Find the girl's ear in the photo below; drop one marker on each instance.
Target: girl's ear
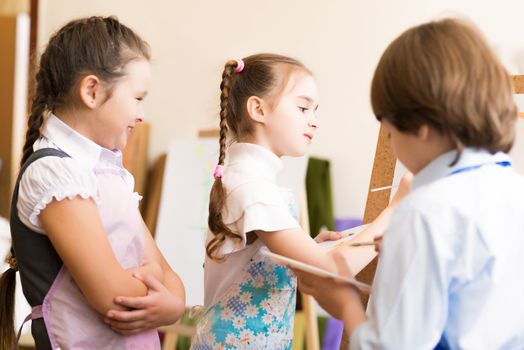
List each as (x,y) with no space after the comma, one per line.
(90,91)
(255,108)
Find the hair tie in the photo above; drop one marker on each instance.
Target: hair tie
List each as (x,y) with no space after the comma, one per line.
(219,171)
(11,260)
(240,65)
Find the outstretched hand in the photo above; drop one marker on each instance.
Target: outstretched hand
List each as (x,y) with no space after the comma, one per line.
(378,243)
(159,307)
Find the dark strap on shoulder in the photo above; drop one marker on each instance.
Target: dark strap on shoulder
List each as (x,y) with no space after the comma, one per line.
(41,153)
(37,260)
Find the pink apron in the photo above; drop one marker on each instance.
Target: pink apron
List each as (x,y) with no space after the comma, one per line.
(70,322)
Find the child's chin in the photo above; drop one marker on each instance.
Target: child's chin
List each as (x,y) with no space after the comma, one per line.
(121,146)
(298,153)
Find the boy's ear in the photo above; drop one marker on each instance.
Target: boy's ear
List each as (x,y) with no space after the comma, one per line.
(423,132)
(90,90)
(256,109)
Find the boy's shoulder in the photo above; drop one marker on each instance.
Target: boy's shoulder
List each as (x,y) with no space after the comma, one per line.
(464,193)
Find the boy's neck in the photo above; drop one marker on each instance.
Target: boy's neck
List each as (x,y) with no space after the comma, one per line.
(431,145)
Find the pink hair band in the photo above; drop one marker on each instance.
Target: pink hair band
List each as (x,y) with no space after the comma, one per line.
(240,65)
(219,171)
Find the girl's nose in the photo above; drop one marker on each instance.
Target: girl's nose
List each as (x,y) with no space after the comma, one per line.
(313,122)
(140,115)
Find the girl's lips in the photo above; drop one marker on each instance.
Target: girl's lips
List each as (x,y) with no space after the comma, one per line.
(309,136)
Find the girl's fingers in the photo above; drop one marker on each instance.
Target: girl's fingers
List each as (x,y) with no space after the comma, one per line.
(133,302)
(126,316)
(125,326)
(327,236)
(377,239)
(128,331)
(150,281)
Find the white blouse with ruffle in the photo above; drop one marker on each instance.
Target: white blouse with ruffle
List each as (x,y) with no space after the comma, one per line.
(55,178)
(254,202)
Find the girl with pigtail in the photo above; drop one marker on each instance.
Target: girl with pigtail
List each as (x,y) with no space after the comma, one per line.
(79,241)
(267,105)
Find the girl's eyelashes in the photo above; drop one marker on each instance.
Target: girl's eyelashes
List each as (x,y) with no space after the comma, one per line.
(139,98)
(303,109)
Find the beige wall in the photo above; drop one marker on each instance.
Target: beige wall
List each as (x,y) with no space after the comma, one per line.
(340,40)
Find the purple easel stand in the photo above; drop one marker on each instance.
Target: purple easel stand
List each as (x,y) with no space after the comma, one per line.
(342,224)
(332,334)
(334,327)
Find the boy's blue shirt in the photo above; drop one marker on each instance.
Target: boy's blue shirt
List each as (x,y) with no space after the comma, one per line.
(451,260)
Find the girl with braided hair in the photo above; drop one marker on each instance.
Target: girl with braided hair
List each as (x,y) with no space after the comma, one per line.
(267,106)
(78,238)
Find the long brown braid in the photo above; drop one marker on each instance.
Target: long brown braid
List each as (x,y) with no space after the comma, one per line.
(101,46)
(218,193)
(7,297)
(264,75)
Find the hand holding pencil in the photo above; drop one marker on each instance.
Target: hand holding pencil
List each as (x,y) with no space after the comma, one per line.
(362,244)
(377,240)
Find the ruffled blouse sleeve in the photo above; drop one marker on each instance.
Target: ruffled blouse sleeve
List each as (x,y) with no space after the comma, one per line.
(52,178)
(257,206)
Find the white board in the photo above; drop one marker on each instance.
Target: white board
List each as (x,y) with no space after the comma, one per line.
(182,219)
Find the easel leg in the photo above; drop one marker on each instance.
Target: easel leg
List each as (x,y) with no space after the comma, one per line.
(312,338)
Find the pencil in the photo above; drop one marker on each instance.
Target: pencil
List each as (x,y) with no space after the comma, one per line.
(362,244)
(383,188)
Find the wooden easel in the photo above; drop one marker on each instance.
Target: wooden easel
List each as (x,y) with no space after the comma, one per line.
(518,84)
(308,302)
(135,155)
(381,175)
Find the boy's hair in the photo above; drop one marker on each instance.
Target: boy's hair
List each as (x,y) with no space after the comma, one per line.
(444,74)
(266,76)
(101,46)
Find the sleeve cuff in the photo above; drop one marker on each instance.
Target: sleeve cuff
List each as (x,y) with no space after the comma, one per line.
(58,196)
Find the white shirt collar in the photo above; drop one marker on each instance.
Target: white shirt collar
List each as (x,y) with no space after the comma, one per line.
(78,146)
(439,167)
(256,159)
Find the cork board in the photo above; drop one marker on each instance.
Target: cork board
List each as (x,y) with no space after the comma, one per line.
(518,84)
(381,175)
(517,152)
(518,88)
